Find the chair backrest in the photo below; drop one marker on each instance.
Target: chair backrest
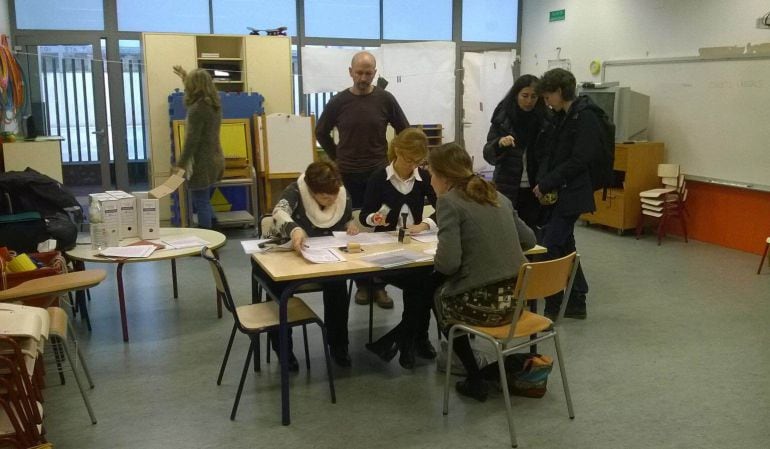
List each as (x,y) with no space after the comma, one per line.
(539,280)
(668,170)
(223,289)
(542,279)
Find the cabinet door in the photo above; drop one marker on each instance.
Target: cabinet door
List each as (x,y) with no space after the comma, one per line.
(268,71)
(161,53)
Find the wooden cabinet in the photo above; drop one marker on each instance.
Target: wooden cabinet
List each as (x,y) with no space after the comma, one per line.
(252,63)
(636,165)
(43,156)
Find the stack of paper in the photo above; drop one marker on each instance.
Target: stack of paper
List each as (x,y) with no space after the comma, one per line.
(128,251)
(326,255)
(180,242)
(388,259)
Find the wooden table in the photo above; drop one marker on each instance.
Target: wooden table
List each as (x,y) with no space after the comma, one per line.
(84,253)
(290,271)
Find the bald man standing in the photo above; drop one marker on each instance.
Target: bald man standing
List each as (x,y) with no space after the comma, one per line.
(361,115)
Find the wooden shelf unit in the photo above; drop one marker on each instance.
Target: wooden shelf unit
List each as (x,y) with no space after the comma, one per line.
(222,54)
(435,133)
(638,163)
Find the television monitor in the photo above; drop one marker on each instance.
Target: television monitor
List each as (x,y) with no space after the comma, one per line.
(628,110)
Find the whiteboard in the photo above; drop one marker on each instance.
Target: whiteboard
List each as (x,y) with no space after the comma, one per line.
(289,143)
(712,115)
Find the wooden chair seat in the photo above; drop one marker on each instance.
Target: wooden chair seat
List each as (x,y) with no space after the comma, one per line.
(264,315)
(529,323)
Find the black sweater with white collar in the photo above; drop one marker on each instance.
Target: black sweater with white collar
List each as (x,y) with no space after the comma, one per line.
(379,191)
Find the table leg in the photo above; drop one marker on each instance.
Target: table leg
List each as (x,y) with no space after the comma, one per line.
(370,284)
(173,278)
(283,336)
(122,302)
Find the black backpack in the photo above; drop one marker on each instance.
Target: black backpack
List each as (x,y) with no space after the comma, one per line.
(601,168)
(31,191)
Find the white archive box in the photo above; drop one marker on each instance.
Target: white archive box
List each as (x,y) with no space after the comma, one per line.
(129,224)
(110,216)
(149,220)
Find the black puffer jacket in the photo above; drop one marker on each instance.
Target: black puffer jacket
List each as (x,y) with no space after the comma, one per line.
(573,143)
(528,130)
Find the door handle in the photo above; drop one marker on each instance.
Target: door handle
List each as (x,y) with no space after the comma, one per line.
(98,132)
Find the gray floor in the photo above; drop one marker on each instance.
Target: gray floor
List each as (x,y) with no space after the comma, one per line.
(674,354)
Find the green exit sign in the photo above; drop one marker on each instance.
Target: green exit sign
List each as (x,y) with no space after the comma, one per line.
(555,16)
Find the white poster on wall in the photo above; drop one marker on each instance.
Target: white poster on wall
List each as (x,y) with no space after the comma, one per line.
(326,69)
(420,75)
(487,78)
(422,78)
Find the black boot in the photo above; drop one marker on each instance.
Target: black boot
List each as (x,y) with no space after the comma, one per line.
(340,355)
(384,350)
(406,359)
(474,388)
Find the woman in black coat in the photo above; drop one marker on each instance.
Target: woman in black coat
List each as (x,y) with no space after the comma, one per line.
(512,146)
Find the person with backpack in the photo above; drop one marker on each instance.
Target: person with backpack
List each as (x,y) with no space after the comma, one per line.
(513,142)
(564,183)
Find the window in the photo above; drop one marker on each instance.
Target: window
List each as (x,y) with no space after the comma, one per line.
(417,20)
(178,16)
(234,16)
(355,19)
(490,20)
(59,15)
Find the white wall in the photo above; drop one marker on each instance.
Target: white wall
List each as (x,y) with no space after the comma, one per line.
(711,115)
(631,29)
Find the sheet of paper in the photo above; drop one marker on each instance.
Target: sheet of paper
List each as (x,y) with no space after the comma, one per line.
(388,259)
(168,187)
(325,242)
(426,237)
(431,251)
(128,251)
(185,241)
(326,255)
(366,238)
(252,246)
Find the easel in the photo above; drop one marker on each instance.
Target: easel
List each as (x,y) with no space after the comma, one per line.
(288,146)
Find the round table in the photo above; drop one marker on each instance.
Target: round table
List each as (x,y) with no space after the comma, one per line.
(84,253)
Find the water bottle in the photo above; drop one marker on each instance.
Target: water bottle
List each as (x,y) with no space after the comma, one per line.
(97,226)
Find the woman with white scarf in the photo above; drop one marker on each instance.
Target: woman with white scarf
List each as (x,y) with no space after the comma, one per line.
(314,206)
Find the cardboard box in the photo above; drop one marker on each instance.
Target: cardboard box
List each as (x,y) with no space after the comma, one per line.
(129,223)
(149,222)
(110,216)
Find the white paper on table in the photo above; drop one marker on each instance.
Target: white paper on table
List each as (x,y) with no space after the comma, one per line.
(325,242)
(388,259)
(189,241)
(128,251)
(366,238)
(252,246)
(324,255)
(431,251)
(426,237)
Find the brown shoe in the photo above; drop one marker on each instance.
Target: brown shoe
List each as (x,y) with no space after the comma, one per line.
(382,299)
(362,296)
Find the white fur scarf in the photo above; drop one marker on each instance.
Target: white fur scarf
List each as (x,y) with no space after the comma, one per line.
(322,218)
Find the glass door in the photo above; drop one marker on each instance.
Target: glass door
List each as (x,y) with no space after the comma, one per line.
(67,99)
(91,95)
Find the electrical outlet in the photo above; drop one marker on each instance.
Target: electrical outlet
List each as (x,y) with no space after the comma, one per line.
(761,23)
